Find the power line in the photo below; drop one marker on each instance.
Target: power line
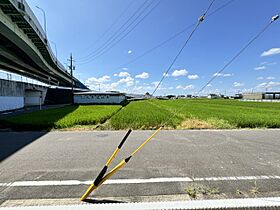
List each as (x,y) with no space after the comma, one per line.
(238,54)
(125,35)
(200,20)
(111,26)
(173,36)
(274,18)
(119,32)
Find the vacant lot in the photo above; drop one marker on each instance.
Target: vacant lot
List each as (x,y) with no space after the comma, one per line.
(199,113)
(150,114)
(65,117)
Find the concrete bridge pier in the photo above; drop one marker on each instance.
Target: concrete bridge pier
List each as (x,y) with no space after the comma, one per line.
(16,95)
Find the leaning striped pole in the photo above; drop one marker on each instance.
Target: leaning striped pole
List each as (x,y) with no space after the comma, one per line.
(98,179)
(116,168)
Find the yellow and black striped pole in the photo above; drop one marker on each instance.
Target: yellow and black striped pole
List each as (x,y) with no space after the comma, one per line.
(98,179)
(114,170)
(123,162)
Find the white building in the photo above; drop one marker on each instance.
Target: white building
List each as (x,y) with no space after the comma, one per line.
(99,98)
(213,96)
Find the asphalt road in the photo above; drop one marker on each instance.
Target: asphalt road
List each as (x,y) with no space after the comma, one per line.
(208,157)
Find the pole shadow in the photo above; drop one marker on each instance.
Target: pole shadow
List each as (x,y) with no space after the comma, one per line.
(99,201)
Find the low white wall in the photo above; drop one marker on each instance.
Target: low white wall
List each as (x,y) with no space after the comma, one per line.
(11,102)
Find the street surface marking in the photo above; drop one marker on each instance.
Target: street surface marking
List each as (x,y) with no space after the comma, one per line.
(133,181)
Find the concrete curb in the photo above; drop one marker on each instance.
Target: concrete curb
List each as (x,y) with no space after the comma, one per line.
(270,203)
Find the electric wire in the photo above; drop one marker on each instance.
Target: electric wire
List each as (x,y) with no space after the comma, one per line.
(184,45)
(274,18)
(115,40)
(125,35)
(235,57)
(116,33)
(123,162)
(110,27)
(173,36)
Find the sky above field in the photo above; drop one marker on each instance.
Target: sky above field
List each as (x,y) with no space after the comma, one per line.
(86,28)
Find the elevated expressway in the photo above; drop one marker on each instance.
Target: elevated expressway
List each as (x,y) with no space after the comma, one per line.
(24,47)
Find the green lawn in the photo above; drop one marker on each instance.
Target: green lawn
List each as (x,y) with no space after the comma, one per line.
(65,117)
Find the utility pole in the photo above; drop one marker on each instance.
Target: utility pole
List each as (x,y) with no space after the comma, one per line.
(72,67)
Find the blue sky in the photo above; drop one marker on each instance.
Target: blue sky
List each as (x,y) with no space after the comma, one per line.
(76,26)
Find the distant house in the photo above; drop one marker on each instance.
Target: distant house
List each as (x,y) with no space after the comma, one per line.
(99,98)
(181,96)
(213,96)
(171,96)
(238,96)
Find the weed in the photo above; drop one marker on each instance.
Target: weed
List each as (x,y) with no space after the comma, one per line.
(255,189)
(239,192)
(194,190)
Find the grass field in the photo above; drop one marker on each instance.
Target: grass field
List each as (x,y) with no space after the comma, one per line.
(197,113)
(150,114)
(65,117)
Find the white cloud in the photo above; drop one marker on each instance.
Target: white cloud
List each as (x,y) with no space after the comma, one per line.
(188,87)
(128,81)
(262,85)
(270,78)
(269,84)
(155,83)
(267,63)
(143,75)
(272,51)
(193,76)
(165,75)
(102,79)
(101,82)
(238,84)
(129,51)
(272,63)
(222,75)
(209,85)
(178,73)
(124,68)
(122,74)
(217,74)
(260,68)
(227,75)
